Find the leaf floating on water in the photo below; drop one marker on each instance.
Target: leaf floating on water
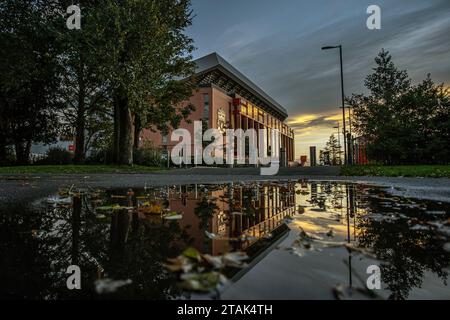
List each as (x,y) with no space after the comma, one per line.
(118,197)
(58,200)
(172,216)
(210,235)
(179,264)
(204,282)
(114,207)
(446,246)
(35,233)
(192,253)
(215,261)
(106,285)
(436,212)
(235,259)
(232,259)
(445,231)
(150,208)
(419,227)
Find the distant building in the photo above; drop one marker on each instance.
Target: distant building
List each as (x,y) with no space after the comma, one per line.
(359,150)
(303,160)
(225,98)
(312,156)
(39,150)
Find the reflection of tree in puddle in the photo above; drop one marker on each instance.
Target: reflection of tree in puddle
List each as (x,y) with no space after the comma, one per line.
(39,245)
(406,253)
(402,234)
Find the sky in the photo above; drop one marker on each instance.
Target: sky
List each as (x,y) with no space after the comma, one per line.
(276,43)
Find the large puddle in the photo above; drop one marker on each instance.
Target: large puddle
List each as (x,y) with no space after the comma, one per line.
(276,240)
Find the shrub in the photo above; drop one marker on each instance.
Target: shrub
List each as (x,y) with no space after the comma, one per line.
(8,158)
(56,155)
(148,155)
(100,156)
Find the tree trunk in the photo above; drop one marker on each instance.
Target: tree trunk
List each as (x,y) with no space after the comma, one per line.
(80,135)
(125,132)
(23,152)
(137,130)
(3,154)
(116,134)
(81,116)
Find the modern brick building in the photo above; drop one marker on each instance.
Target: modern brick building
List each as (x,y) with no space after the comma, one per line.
(225,98)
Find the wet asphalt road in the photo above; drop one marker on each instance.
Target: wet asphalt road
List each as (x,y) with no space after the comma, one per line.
(26,188)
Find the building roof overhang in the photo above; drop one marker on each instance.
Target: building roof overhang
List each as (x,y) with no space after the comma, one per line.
(215,69)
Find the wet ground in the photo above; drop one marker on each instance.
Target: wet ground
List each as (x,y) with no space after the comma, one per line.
(271,240)
(27,187)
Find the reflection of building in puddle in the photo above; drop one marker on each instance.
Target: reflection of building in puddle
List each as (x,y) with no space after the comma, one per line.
(238,215)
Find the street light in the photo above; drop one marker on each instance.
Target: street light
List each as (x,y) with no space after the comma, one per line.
(342,93)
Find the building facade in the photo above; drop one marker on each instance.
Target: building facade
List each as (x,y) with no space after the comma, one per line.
(226,99)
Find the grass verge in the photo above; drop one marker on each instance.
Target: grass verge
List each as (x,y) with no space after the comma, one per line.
(433,171)
(64,169)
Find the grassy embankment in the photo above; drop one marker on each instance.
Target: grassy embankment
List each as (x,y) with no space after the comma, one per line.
(433,171)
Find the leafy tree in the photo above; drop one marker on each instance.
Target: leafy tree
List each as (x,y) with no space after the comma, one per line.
(401,122)
(331,154)
(335,150)
(82,89)
(30,75)
(145,55)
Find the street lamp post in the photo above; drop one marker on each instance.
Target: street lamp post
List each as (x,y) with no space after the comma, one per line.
(342,96)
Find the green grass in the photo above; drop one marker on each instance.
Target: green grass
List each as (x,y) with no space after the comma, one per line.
(433,171)
(63,169)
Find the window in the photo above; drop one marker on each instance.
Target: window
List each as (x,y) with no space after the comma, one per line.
(244,110)
(261,116)
(205,106)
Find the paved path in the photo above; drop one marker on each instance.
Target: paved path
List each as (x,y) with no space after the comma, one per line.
(303,171)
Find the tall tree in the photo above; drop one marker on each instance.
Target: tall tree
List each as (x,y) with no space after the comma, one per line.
(82,90)
(334,150)
(401,122)
(146,53)
(29,75)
